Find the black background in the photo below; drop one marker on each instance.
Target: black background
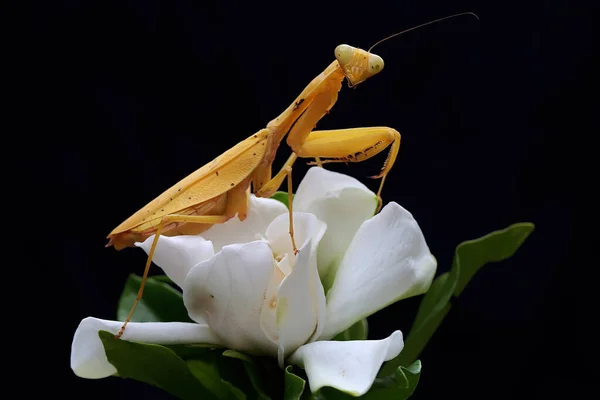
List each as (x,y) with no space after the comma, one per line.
(138,94)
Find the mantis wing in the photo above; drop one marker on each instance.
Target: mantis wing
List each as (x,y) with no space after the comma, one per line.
(206,183)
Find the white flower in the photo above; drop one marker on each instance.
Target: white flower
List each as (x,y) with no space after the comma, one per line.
(247,290)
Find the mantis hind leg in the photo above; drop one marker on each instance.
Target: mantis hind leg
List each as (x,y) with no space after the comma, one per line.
(237,203)
(198,219)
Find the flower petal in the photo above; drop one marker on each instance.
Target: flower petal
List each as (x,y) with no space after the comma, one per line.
(340,201)
(298,303)
(88,359)
(228,290)
(301,298)
(260,214)
(306,227)
(388,260)
(349,366)
(176,255)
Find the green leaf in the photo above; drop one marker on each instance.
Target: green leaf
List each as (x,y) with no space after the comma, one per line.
(417,339)
(160,303)
(191,351)
(469,257)
(493,247)
(398,386)
(155,365)
(206,371)
(294,385)
(233,392)
(251,370)
(432,310)
(358,331)
(437,296)
(163,278)
(237,355)
(202,360)
(282,197)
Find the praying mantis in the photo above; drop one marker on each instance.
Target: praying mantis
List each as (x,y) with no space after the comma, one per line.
(220,190)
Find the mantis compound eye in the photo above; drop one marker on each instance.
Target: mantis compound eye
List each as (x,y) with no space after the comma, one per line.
(344,54)
(375,64)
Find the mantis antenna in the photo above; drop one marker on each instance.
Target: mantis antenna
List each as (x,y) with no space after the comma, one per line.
(422,25)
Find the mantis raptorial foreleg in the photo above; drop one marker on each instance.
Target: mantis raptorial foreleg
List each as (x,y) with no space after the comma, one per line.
(341,145)
(353,145)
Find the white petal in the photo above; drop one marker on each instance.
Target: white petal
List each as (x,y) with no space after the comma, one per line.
(343,203)
(260,214)
(297,303)
(388,260)
(88,359)
(176,255)
(306,227)
(268,312)
(349,366)
(228,290)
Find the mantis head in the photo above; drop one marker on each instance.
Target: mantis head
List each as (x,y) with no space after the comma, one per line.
(358,65)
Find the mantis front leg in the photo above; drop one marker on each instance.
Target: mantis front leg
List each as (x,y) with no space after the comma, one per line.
(353,145)
(341,145)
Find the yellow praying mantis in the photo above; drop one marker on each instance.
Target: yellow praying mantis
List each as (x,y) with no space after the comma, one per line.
(220,190)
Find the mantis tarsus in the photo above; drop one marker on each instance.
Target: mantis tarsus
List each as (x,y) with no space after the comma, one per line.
(219,190)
